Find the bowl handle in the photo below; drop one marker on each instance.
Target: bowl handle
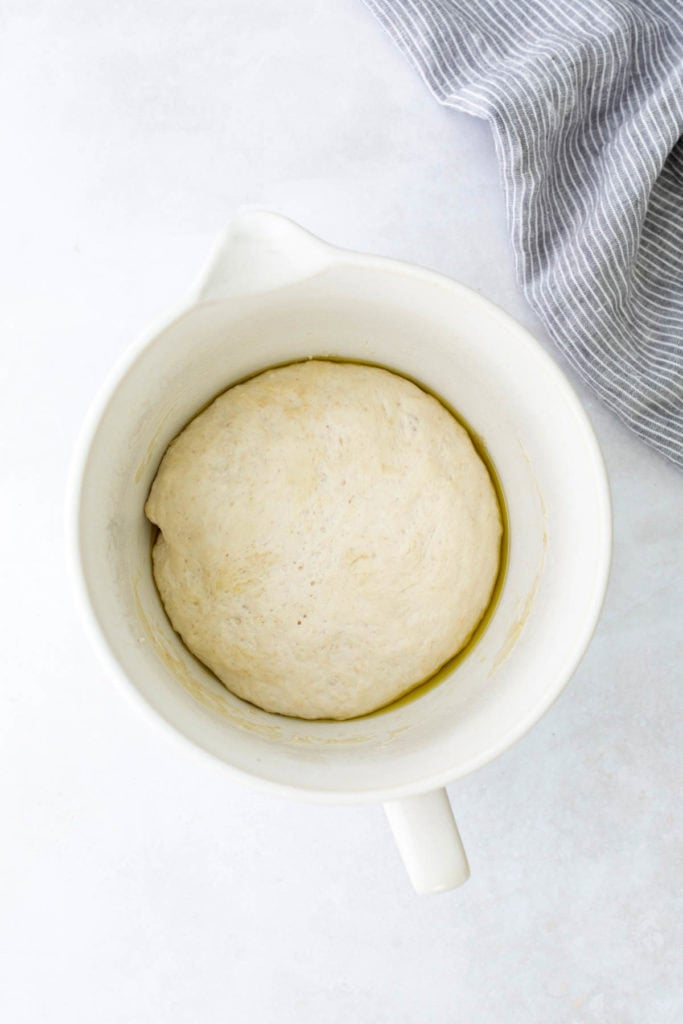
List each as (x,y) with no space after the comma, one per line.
(258,252)
(428,840)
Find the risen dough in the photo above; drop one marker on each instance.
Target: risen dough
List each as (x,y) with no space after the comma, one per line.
(329,537)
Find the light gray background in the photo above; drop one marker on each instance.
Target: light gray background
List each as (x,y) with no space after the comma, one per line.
(138,882)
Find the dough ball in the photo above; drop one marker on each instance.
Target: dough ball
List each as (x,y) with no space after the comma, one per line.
(329,537)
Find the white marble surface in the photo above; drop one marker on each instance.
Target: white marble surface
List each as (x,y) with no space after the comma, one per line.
(139,884)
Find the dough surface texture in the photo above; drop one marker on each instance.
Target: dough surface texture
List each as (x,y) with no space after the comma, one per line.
(329,537)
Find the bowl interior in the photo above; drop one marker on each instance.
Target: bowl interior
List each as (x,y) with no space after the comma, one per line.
(512,395)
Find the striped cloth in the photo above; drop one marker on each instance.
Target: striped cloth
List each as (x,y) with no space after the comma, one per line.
(585,99)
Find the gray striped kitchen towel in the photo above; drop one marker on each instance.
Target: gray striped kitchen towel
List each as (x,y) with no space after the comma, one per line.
(585,100)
